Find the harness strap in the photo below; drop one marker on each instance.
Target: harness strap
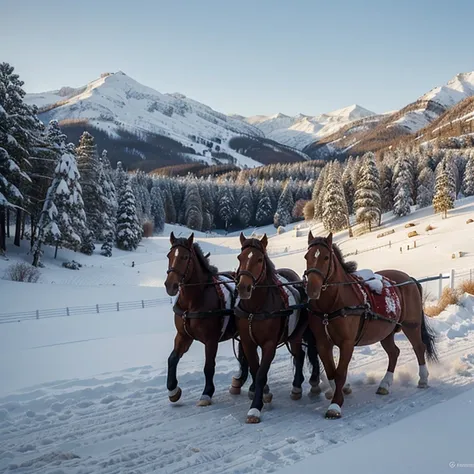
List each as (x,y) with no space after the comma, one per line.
(202,314)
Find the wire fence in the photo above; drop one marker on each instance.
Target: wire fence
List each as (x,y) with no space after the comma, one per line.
(433,285)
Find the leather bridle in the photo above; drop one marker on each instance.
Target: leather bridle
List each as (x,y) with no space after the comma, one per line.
(326,276)
(262,274)
(181,275)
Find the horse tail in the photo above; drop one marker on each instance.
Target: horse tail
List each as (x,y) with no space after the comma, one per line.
(428,335)
(311,351)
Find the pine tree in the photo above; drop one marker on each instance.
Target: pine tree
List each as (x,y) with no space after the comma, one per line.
(92,193)
(109,203)
(368,203)
(245,206)
(19,130)
(318,193)
(468,182)
(426,180)
(129,232)
(335,212)
(444,196)
(386,178)
(208,207)
(348,185)
(226,206)
(140,183)
(157,208)
(193,203)
(62,219)
(285,206)
(402,202)
(264,212)
(120,179)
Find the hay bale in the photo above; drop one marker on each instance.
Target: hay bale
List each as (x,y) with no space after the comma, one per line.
(429,227)
(410,224)
(387,232)
(469,221)
(413,233)
(453,256)
(281,230)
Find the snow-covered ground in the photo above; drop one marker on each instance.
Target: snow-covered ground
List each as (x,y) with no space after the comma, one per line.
(87,394)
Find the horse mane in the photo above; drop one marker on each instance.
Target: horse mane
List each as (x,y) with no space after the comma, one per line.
(349,267)
(204,261)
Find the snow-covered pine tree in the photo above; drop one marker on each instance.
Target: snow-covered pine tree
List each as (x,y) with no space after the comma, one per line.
(403,185)
(18,134)
(318,193)
(426,180)
(347,183)
(120,179)
(468,183)
(205,190)
(368,203)
(193,203)
(140,183)
(245,206)
(92,193)
(129,232)
(226,204)
(335,212)
(444,195)
(264,213)
(285,206)
(61,223)
(386,178)
(157,208)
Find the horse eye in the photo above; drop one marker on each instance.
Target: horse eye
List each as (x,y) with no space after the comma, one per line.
(260,260)
(326,257)
(185,257)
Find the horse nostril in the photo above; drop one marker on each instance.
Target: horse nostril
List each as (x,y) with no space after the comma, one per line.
(248,288)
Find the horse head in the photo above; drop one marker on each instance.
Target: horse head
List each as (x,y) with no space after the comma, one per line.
(319,264)
(180,263)
(252,268)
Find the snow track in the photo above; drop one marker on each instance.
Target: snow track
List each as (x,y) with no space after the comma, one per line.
(123,422)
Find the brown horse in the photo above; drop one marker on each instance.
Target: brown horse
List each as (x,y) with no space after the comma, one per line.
(344,312)
(200,314)
(262,320)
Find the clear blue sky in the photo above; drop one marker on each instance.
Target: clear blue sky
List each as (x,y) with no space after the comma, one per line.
(246,56)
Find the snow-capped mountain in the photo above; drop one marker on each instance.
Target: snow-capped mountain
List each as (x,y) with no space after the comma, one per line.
(379,132)
(301,130)
(179,128)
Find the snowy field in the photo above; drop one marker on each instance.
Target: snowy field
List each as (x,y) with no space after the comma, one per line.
(87,393)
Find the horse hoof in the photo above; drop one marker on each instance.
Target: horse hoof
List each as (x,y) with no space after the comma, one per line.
(253,416)
(422,384)
(204,401)
(234,390)
(382,391)
(315,391)
(267,397)
(174,395)
(333,412)
(347,390)
(329,394)
(251,395)
(296,395)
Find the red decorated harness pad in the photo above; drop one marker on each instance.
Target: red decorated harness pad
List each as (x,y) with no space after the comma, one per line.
(380,294)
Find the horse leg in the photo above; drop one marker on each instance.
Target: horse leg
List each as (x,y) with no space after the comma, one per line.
(298,362)
(346,350)
(413,334)
(182,343)
(239,379)
(312,353)
(268,354)
(209,371)
(253,361)
(393,352)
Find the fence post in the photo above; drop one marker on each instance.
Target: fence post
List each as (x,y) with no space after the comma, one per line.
(97,307)
(143,304)
(67,311)
(440,285)
(118,306)
(451,282)
(37,314)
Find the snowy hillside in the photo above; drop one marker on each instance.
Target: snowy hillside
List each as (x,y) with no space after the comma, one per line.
(384,130)
(301,130)
(117,105)
(87,393)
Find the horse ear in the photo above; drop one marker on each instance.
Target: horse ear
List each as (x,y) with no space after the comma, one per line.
(242,238)
(172,238)
(310,237)
(191,239)
(264,241)
(329,239)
